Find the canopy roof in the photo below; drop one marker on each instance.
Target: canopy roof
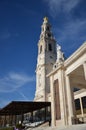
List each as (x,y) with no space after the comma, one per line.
(21,107)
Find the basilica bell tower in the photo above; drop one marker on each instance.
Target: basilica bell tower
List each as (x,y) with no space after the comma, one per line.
(45,61)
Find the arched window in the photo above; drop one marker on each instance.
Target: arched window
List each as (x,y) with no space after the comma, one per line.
(40,48)
(50,47)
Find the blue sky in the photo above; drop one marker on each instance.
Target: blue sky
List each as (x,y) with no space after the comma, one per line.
(20,27)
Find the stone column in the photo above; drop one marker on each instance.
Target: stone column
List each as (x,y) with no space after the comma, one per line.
(70,101)
(53,111)
(81,106)
(84,66)
(62,94)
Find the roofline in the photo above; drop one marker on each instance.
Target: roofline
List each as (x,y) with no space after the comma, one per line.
(80,51)
(18,107)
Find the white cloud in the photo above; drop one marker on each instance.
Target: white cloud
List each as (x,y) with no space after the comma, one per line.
(13,81)
(55,6)
(68,5)
(72,29)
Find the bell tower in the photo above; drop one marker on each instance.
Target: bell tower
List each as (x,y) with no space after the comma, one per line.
(45,61)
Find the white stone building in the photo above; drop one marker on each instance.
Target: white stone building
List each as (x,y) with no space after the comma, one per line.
(56,78)
(45,61)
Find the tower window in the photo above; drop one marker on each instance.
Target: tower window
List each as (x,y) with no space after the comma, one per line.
(49,35)
(40,49)
(47,28)
(50,47)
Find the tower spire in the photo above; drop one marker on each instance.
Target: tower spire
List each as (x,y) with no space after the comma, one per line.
(46,32)
(45,61)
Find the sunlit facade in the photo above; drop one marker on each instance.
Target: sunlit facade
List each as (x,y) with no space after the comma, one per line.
(57,78)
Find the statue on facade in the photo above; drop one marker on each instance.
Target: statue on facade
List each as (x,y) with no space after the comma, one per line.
(60,54)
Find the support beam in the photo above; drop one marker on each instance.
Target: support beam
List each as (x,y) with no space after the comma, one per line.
(81,107)
(62,97)
(22,118)
(15,119)
(53,111)
(70,101)
(32,116)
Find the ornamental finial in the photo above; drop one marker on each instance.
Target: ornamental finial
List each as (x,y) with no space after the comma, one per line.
(45,19)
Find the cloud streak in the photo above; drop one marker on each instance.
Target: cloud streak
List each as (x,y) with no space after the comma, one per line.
(23,96)
(72,29)
(13,81)
(65,6)
(73,32)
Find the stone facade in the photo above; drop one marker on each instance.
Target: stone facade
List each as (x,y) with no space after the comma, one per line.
(57,77)
(70,74)
(46,59)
